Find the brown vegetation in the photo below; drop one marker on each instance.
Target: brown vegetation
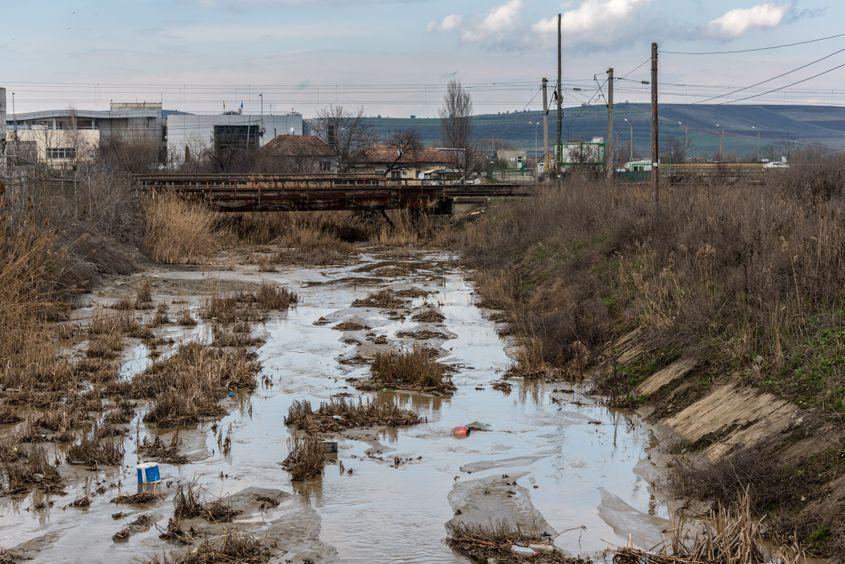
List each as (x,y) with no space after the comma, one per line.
(338,415)
(747,277)
(188,506)
(305,458)
(248,306)
(234,546)
(494,544)
(177,230)
(158,450)
(186,387)
(416,369)
(725,536)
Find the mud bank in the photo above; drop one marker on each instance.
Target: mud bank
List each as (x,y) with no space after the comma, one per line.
(551,461)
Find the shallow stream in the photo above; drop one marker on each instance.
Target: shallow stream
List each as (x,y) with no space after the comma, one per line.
(582,471)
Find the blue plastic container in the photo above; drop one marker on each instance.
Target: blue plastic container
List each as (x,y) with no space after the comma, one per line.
(148,473)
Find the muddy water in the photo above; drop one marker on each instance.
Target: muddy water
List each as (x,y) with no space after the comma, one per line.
(581,471)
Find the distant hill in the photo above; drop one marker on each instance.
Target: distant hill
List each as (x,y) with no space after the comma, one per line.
(745,126)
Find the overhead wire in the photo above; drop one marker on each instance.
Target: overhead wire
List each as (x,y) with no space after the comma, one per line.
(756,49)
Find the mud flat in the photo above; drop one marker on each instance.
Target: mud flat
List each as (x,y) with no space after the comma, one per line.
(556,464)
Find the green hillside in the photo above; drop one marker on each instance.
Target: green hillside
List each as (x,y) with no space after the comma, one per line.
(745,127)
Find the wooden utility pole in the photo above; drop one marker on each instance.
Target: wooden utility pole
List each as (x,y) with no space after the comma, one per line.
(655,132)
(559,97)
(546,159)
(609,143)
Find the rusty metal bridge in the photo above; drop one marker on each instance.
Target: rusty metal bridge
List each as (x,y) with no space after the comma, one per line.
(291,192)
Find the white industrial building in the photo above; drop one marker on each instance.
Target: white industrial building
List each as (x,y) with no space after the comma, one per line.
(190,135)
(66,137)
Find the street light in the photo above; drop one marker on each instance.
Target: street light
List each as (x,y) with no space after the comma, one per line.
(631,138)
(536,124)
(721,142)
(754,127)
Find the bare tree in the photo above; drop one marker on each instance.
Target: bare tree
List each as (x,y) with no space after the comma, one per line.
(345,132)
(455,123)
(404,143)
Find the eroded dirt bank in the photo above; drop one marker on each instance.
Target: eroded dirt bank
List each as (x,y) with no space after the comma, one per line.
(549,459)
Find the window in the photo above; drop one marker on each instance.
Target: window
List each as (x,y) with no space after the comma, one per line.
(396,174)
(61,152)
(325,166)
(238,137)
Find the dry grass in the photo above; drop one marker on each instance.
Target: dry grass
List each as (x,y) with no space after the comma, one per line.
(339,415)
(141,524)
(726,536)
(158,450)
(494,544)
(406,228)
(384,299)
(429,316)
(187,505)
(31,468)
(140,498)
(187,387)
(92,451)
(177,230)
(234,546)
(248,306)
(416,369)
(305,458)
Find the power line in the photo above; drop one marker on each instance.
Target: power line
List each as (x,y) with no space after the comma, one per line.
(787,86)
(796,69)
(754,50)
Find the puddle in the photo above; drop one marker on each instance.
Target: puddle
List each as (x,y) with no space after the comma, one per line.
(580,470)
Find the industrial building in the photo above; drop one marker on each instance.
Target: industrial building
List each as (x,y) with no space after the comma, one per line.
(62,138)
(190,135)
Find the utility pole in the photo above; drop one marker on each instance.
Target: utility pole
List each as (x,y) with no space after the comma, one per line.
(655,132)
(609,144)
(546,159)
(559,145)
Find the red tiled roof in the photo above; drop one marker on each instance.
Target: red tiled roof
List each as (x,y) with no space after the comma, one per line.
(298,146)
(387,154)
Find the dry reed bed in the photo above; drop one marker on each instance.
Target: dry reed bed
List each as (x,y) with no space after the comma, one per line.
(188,386)
(493,544)
(305,458)
(177,230)
(338,415)
(248,306)
(416,369)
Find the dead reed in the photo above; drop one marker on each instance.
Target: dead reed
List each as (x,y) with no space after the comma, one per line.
(186,387)
(177,230)
(305,458)
(248,306)
(338,415)
(234,546)
(187,505)
(414,369)
(494,543)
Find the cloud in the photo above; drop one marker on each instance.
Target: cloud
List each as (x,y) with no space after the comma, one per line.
(449,23)
(593,21)
(497,25)
(737,22)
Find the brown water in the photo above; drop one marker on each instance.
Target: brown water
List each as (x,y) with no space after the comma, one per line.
(582,470)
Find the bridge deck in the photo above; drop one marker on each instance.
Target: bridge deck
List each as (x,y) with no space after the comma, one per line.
(259,192)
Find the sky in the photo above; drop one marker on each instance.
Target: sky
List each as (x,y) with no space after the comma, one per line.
(394,57)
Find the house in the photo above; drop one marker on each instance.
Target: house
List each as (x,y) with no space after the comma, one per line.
(421,163)
(301,153)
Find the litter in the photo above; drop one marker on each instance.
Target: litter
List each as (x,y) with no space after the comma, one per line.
(461,432)
(148,473)
(523,550)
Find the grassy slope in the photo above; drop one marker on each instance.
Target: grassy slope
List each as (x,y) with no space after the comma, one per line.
(743,277)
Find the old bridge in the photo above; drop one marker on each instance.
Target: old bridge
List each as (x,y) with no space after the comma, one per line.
(270,192)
